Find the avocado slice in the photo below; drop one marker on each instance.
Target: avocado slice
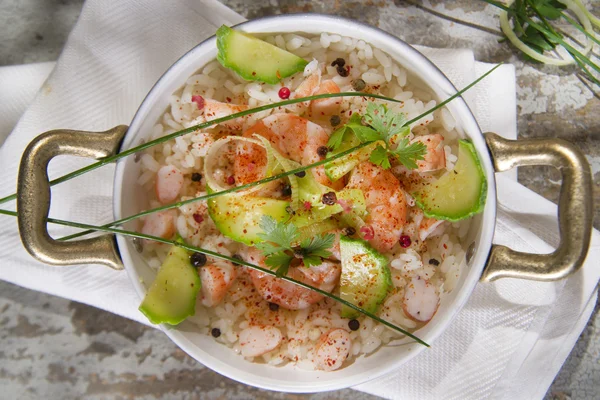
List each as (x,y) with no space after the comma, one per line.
(172,296)
(366,278)
(238,216)
(458,194)
(254,59)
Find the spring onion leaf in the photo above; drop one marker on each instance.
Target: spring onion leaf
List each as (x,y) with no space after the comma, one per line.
(533,33)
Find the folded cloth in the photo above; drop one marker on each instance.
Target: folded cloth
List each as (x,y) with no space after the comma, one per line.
(19,84)
(508,342)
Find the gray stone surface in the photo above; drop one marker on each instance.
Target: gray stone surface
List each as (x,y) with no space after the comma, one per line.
(54,348)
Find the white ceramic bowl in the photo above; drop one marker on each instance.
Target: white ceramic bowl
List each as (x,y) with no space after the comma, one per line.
(289,378)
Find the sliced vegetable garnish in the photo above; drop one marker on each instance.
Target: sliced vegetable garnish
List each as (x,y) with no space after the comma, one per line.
(213,154)
(254,59)
(238,217)
(172,296)
(366,278)
(458,194)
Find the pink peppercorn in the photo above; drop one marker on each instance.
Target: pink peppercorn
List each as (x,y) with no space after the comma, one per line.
(198,218)
(307,205)
(367,232)
(199,100)
(284,93)
(405,241)
(230,180)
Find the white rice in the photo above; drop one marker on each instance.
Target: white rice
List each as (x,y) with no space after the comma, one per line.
(243,306)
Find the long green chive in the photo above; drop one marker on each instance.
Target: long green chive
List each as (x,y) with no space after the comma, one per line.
(107,228)
(204,125)
(553,36)
(279,176)
(231,259)
(191,129)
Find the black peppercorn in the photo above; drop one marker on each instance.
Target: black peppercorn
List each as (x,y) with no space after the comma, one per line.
(286,190)
(215,332)
(322,151)
(198,259)
(273,306)
(300,174)
(342,71)
(358,84)
(329,198)
(335,120)
(339,62)
(349,231)
(434,262)
(196,177)
(353,324)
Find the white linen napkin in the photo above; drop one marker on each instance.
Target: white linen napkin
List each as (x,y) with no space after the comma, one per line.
(508,342)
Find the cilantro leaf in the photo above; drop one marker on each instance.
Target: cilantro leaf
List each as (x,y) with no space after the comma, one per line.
(277,236)
(318,245)
(386,122)
(379,156)
(277,246)
(280,262)
(409,154)
(311,260)
(363,133)
(336,138)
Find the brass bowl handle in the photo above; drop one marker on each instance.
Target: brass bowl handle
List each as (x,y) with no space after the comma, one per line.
(574,209)
(33,197)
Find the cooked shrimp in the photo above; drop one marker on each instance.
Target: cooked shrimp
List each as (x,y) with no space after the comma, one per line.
(216,281)
(425,226)
(421,300)
(161,224)
(169,182)
(326,107)
(385,202)
(435,158)
(313,85)
(428,226)
(258,340)
(332,349)
(308,87)
(216,109)
(295,137)
(325,277)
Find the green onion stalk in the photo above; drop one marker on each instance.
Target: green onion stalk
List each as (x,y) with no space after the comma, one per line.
(87,228)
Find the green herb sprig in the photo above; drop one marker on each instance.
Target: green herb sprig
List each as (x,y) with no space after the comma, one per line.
(533,32)
(279,246)
(384,125)
(390,126)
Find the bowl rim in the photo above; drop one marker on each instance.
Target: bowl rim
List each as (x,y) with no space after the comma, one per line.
(478,260)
